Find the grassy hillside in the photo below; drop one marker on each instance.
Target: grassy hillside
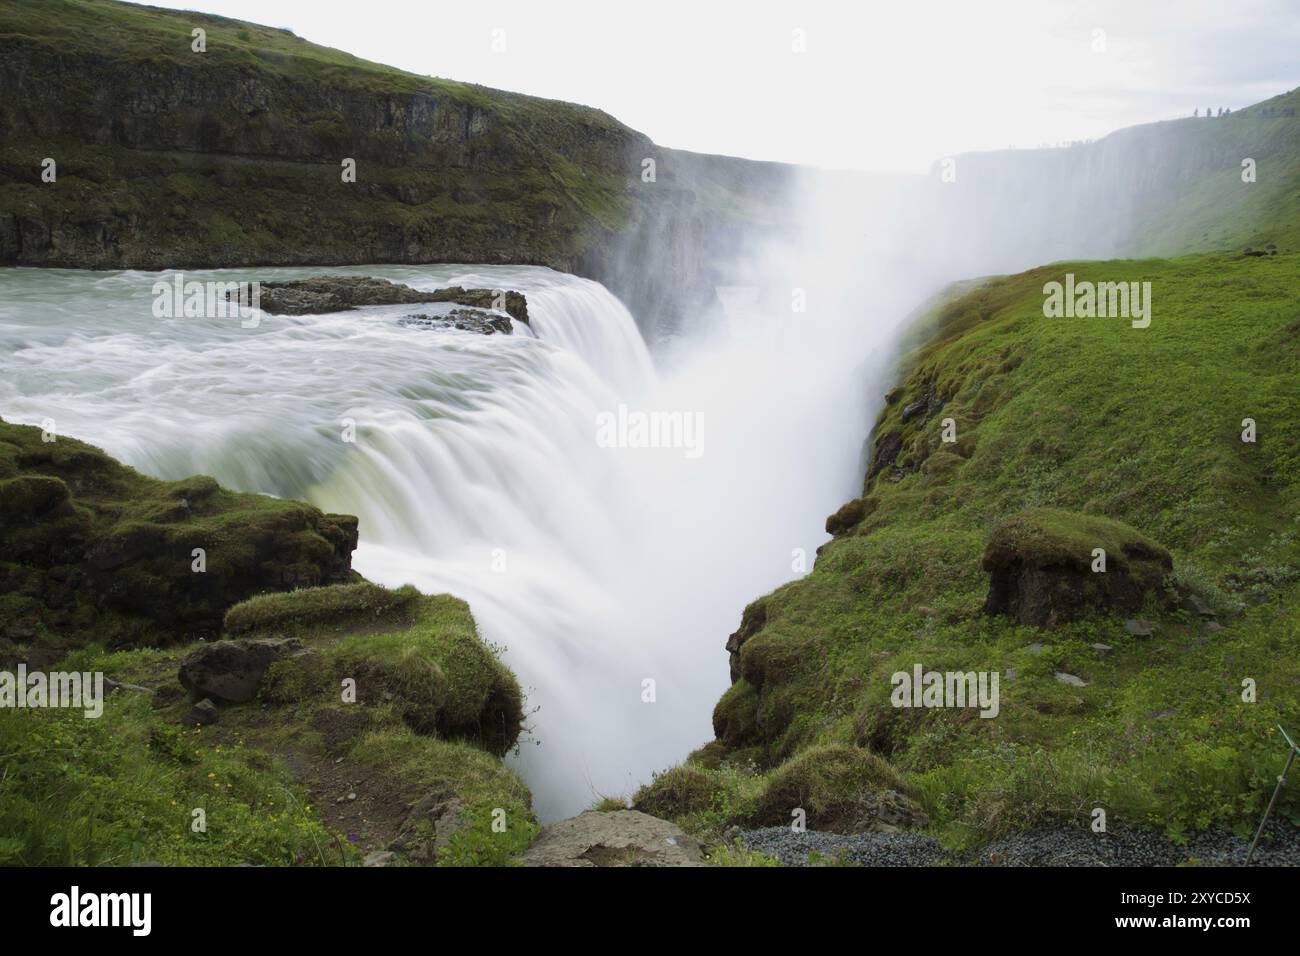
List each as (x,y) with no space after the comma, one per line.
(1090,417)
(1214,209)
(296,776)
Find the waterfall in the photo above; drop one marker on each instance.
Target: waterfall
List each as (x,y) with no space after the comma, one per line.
(611,575)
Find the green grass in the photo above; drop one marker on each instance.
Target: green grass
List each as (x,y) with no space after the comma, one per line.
(1104,422)
(1216,210)
(344,607)
(440,668)
(435,709)
(736,854)
(122,788)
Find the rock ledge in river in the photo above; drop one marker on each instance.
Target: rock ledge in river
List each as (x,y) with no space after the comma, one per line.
(321,294)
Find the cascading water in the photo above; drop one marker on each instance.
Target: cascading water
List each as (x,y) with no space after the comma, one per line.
(611,574)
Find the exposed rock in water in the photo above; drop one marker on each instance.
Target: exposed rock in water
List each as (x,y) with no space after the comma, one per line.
(1040,566)
(230,671)
(465,320)
(321,294)
(620,838)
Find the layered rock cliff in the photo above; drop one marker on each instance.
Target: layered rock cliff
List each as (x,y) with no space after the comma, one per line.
(167,157)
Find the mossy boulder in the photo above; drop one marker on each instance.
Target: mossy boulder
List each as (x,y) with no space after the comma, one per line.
(1041,567)
(751,622)
(848,516)
(420,657)
(735,716)
(111,554)
(677,792)
(839,788)
(230,671)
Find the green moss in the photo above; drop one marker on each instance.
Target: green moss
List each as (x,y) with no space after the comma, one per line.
(677,792)
(425,765)
(325,610)
(831,784)
(152,560)
(735,717)
(301,728)
(438,673)
(1052,536)
(295,680)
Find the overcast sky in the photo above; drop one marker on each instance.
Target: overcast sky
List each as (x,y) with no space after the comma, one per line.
(880,85)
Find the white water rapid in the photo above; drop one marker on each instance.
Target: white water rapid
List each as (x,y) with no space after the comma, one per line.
(476,469)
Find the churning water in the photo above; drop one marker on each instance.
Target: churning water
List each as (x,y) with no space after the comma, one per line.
(477,470)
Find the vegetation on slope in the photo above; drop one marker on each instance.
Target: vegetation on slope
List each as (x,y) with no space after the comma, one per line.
(1093,419)
(1216,210)
(300,775)
(92,548)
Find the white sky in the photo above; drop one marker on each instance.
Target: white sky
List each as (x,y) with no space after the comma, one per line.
(882,85)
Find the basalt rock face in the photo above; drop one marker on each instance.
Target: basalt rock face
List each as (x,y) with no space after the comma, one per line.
(167,158)
(91,549)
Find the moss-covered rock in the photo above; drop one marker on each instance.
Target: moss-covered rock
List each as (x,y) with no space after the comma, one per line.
(230,671)
(735,716)
(677,792)
(323,610)
(848,516)
(839,788)
(111,554)
(420,656)
(1044,567)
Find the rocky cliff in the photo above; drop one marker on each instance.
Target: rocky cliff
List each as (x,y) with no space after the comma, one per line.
(164,157)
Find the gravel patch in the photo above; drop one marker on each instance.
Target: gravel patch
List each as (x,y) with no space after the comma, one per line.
(1042,846)
(864,849)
